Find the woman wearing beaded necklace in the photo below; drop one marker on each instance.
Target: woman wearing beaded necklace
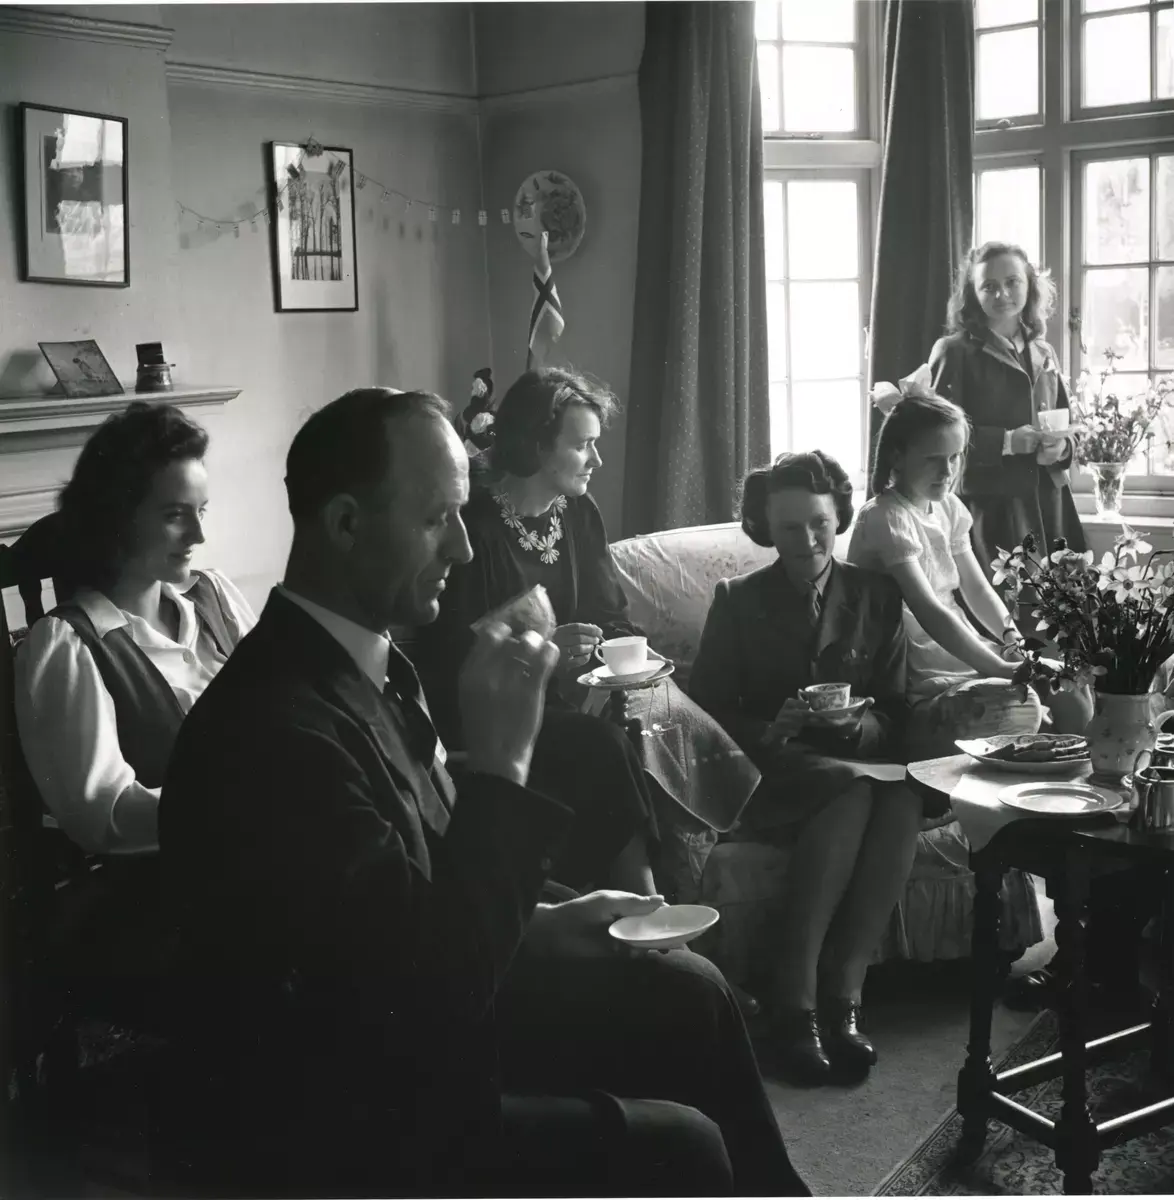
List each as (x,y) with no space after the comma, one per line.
(532,521)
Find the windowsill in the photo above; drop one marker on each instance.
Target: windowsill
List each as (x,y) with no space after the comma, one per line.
(1145,510)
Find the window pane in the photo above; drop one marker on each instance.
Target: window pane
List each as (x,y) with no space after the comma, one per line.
(823,21)
(825,330)
(1163,446)
(780,420)
(819,89)
(1164,319)
(1116,315)
(1165,231)
(1103,5)
(766,20)
(822,220)
(776,330)
(1005,12)
(768,87)
(1007,74)
(1117,60)
(776,249)
(1009,209)
(1117,211)
(1165,54)
(827,416)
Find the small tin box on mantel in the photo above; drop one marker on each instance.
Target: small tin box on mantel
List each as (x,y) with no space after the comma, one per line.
(154,375)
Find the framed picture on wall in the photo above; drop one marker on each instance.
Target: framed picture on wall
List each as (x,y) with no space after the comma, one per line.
(312,216)
(76,197)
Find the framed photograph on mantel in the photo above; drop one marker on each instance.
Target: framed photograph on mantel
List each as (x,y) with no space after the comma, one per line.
(76,197)
(312,216)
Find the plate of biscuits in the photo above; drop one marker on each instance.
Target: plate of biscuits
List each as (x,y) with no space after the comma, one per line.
(1029,753)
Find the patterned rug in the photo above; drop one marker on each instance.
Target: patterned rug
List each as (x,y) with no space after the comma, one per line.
(1014,1165)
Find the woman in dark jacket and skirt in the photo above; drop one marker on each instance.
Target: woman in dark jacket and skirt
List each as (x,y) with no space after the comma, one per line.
(996,366)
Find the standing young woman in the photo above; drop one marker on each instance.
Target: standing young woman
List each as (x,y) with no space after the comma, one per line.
(996,366)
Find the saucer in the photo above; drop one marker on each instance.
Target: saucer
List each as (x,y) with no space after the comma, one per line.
(670,926)
(853,706)
(603,676)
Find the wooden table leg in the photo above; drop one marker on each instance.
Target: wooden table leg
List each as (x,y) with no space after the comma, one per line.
(1162,1045)
(977,1077)
(1077,1151)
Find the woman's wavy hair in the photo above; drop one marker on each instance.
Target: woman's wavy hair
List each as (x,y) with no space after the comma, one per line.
(909,419)
(530,416)
(112,477)
(964,313)
(814,472)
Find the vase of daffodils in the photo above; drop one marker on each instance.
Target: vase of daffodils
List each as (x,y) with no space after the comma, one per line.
(1109,428)
(1108,624)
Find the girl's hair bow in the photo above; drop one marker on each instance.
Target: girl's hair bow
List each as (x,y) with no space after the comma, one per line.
(920,384)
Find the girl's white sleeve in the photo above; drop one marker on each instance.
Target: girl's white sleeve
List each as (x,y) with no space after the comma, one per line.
(69,735)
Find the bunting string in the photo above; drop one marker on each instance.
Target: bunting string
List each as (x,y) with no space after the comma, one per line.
(386,193)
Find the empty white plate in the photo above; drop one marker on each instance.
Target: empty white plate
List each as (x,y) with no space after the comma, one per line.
(670,926)
(1061,799)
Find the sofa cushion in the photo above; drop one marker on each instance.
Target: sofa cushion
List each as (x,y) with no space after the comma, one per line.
(670,577)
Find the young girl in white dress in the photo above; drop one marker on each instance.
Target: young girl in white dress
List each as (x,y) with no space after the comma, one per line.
(959,666)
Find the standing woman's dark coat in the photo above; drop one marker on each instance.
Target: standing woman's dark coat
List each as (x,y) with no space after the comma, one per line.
(1008,495)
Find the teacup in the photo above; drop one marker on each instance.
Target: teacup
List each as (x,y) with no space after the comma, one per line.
(1054,420)
(625,655)
(824,696)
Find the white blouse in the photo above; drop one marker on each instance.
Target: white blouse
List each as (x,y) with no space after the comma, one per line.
(889,531)
(84,781)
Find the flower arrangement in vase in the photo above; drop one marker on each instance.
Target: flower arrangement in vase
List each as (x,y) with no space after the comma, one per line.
(1110,428)
(1110,625)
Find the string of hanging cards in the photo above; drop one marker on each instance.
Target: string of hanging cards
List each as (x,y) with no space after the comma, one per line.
(314,149)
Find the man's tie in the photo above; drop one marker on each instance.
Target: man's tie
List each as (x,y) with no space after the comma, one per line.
(403,691)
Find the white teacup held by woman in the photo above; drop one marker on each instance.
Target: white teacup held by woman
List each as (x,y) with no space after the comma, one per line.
(625,655)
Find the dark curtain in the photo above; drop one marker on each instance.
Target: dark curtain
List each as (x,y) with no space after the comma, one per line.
(926,217)
(698,411)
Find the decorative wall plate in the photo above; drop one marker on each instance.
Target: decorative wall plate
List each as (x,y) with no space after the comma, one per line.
(550,200)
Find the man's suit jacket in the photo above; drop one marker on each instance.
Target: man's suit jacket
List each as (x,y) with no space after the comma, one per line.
(757,650)
(322,906)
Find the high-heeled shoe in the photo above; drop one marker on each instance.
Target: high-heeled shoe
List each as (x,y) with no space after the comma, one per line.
(800,1045)
(846,1044)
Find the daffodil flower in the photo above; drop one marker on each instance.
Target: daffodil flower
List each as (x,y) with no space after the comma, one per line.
(1130,542)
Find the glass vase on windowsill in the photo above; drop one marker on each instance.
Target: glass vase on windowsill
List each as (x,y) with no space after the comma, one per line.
(1109,429)
(1108,483)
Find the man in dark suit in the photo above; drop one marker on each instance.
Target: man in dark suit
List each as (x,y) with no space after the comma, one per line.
(351,920)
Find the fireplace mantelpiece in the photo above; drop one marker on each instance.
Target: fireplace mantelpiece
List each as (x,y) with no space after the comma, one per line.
(36,432)
(52,412)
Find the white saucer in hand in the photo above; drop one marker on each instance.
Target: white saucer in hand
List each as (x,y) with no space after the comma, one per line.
(836,716)
(670,926)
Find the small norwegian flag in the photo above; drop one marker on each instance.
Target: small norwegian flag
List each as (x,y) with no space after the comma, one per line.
(546,313)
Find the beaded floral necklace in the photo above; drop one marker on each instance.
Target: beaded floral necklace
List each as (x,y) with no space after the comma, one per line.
(528,539)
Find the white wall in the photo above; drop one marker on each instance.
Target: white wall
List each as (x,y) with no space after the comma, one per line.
(436,301)
(207,295)
(587,126)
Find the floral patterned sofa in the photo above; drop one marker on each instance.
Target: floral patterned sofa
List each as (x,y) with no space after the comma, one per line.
(669,578)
